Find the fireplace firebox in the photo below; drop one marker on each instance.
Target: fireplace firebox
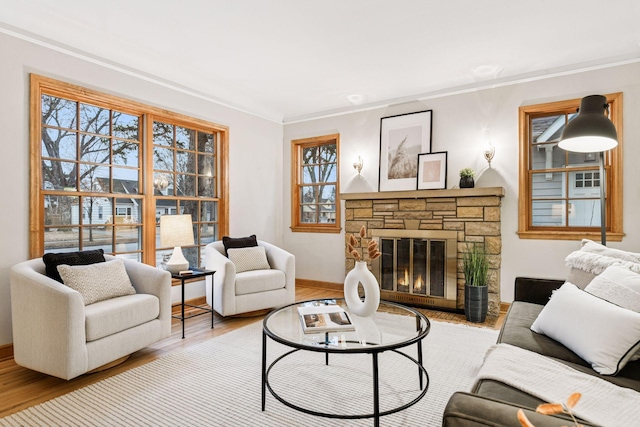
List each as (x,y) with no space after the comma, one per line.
(417,267)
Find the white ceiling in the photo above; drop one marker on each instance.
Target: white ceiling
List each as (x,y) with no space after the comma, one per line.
(288,60)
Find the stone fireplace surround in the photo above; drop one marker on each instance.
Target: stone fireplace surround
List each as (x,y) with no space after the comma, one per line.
(474,213)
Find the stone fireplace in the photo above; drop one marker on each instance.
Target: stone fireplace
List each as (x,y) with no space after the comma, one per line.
(422,235)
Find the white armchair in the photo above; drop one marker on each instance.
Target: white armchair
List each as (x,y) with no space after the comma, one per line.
(55,333)
(236,293)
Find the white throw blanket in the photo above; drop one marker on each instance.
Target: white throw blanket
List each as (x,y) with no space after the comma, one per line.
(596,263)
(602,402)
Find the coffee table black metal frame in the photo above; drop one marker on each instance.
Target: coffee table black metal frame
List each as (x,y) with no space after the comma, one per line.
(197,274)
(373,350)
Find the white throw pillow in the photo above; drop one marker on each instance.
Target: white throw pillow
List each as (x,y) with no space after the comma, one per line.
(601,333)
(247,259)
(597,248)
(619,286)
(97,282)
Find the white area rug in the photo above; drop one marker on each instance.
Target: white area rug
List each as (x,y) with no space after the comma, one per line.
(218,383)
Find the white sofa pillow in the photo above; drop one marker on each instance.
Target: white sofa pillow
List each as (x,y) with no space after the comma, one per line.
(250,258)
(97,282)
(601,333)
(619,286)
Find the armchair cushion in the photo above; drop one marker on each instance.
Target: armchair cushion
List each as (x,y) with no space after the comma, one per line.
(238,242)
(110,316)
(251,282)
(248,259)
(97,282)
(53,260)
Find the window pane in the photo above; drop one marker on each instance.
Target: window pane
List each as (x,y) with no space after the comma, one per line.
(94,149)
(94,119)
(190,207)
(327,213)
(328,173)
(207,233)
(98,238)
(308,194)
(327,193)
(206,187)
(162,134)
(94,178)
(61,239)
(58,175)
(584,213)
(125,181)
(58,210)
(546,129)
(59,112)
(547,185)
(128,239)
(206,165)
(310,174)
(161,183)
(547,156)
(328,153)
(165,207)
(206,142)
(126,126)
(310,155)
(95,210)
(130,210)
(308,214)
(185,138)
(548,213)
(162,159)
(59,144)
(126,153)
(208,211)
(186,162)
(191,254)
(185,185)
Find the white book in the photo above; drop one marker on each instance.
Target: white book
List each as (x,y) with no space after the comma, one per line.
(324,318)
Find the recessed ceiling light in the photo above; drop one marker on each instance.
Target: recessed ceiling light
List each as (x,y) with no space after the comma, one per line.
(356,98)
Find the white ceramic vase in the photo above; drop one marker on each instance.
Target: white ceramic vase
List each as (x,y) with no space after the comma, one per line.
(361,274)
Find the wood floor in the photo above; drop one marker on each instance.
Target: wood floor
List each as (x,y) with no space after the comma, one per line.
(21,388)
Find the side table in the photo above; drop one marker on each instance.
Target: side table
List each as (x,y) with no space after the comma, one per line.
(197,273)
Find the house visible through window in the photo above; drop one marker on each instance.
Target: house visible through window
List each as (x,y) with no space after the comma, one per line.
(315,203)
(110,167)
(560,190)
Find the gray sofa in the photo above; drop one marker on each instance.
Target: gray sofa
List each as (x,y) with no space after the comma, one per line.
(492,403)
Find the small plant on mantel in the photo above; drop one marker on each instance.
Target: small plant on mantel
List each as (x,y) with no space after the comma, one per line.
(467,173)
(353,244)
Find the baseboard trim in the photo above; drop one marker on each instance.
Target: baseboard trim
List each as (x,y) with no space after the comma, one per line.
(175,308)
(504,307)
(6,351)
(306,283)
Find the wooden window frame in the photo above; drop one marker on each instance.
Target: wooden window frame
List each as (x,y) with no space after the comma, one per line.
(613,172)
(296,182)
(40,86)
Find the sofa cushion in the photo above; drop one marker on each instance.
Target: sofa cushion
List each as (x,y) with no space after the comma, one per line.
(97,282)
(593,258)
(254,281)
(247,259)
(238,242)
(590,326)
(53,260)
(110,316)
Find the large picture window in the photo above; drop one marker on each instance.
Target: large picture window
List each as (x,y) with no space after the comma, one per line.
(560,190)
(103,170)
(315,206)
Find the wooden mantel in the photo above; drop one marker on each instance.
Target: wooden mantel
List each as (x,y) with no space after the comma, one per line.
(417,194)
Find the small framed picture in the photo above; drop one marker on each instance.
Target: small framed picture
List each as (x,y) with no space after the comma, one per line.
(432,171)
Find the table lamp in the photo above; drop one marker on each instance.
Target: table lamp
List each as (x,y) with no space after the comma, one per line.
(592,132)
(176,231)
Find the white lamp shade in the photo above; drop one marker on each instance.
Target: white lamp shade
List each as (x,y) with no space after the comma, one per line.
(176,230)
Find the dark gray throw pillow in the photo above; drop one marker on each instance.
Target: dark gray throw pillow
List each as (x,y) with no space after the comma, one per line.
(238,242)
(53,260)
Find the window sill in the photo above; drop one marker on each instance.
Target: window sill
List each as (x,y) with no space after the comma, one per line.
(315,229)
(570,235)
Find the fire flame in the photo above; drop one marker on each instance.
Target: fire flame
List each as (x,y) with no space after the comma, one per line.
(417,285)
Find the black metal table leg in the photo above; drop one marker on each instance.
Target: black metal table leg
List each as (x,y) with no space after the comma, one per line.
(264,368)
(212,299)
(326,343)
(376,391)
(420,362)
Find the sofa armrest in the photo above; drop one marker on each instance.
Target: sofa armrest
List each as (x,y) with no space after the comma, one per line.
(48,320)
(223,282)
(470,410)
(533,290)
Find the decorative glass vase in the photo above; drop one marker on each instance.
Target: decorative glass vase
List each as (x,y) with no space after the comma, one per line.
(361,274)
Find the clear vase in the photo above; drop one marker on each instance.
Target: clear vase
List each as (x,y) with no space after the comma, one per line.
(361,274)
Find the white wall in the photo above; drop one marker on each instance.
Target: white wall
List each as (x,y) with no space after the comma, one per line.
(255,161)
(458,122)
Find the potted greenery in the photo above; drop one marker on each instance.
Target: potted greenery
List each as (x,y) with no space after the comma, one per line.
(476,292)
(466,178)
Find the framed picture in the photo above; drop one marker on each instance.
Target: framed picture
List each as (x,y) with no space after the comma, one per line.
(402,138)
(432,171)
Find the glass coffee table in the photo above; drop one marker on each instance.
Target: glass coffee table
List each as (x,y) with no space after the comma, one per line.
(391,328)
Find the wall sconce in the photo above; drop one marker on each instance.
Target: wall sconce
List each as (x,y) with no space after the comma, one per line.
(489,150)
(358,165)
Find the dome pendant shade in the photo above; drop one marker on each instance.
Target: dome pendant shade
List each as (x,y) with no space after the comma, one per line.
(591,131)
